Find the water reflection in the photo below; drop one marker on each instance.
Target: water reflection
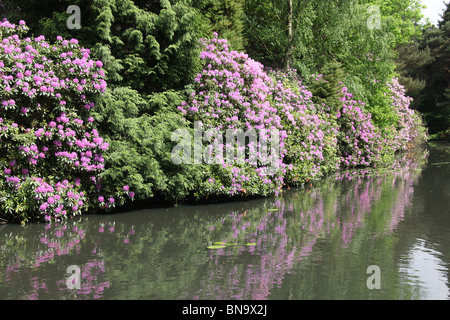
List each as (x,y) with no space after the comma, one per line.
(307,244)
(425,268)
(336,213)
(34,255)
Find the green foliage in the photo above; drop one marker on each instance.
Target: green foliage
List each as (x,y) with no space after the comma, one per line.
(435,103)
(410,65)
(327,88)
(401,18)
(150,53)
(425,73)
(267,33)
(141,144)
(381,108)
(149,46)
(226,17)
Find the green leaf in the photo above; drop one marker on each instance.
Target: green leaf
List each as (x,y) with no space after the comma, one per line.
(215,247)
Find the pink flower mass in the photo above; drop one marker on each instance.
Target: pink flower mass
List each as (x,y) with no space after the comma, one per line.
(42,97)
(234,91)
(46,102)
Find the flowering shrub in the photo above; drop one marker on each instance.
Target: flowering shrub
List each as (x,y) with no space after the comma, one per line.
(311,141)
(234,92)
(409,127)
(361,143)
(50,153)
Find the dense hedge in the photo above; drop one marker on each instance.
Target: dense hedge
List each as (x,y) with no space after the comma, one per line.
(56,164)
(234,91)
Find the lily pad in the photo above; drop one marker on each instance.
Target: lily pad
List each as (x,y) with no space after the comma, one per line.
(274,209)
(215,247)
(251,244)
(220,243)
(229,244)
(440,163)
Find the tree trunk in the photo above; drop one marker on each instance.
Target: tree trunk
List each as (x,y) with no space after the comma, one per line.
(290,36)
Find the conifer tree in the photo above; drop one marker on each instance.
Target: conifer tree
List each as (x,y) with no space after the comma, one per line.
(410,64)
(434,98)
(327,88)
(225,18)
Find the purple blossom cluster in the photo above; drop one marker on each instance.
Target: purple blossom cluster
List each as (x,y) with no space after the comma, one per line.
(234,91)
(50,150)
(311,133)
(409,124)
(361,142)
(364,144)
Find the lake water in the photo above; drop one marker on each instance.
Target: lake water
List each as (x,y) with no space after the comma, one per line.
(356,235)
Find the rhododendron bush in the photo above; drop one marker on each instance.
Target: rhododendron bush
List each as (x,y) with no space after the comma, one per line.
(53,160)
(410,128)
(364,144)
(50,152)
(360,141)
(311,141)
(234,91)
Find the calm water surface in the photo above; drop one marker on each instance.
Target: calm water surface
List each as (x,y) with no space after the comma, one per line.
(312,243)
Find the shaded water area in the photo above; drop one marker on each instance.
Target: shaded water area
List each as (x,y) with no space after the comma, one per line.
(312,243)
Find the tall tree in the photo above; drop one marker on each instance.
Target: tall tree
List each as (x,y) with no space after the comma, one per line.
(411,62)
(324,31)
(328,88)
(435,97)
(401,18)
(278,32)
(290,36)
